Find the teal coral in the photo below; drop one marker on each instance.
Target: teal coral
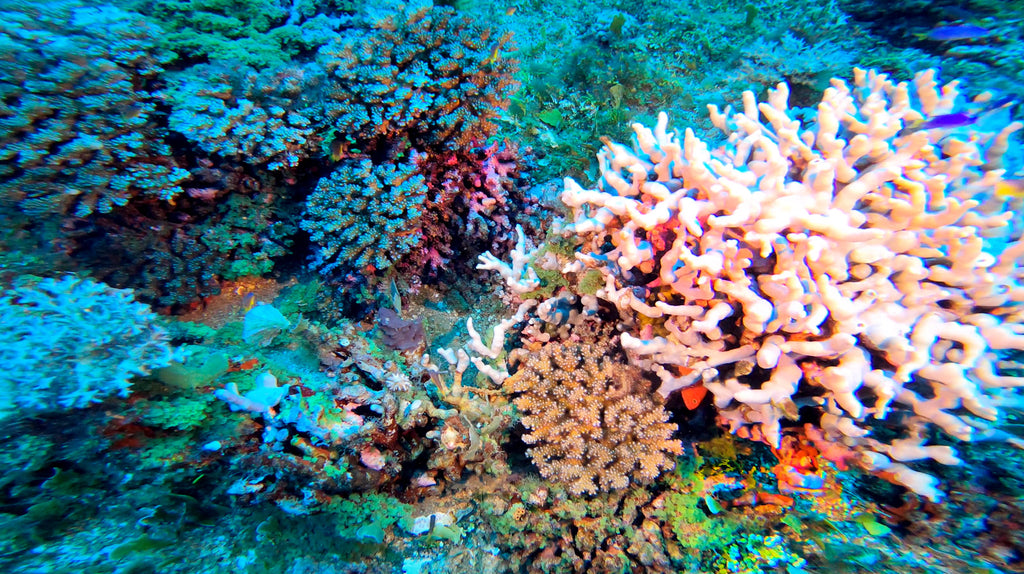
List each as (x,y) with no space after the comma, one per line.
(415,75)
(72,342)
(362,215)
(78,128)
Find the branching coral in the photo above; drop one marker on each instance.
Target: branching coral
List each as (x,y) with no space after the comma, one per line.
(594,426)
(848,259)
(415,75)
(238,113)
(174,256)
(78,129)
(364,215)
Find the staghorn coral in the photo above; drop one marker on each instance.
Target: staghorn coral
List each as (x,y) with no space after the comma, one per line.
(79,130)
(414,75)
(865,258)
(594,426)
(364,215)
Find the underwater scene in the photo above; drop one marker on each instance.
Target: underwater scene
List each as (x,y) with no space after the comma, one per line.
(459,287)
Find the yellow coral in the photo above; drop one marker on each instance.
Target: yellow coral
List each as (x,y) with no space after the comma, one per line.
(593,423)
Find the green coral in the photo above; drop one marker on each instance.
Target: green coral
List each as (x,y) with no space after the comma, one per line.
(180,413)
(368,512)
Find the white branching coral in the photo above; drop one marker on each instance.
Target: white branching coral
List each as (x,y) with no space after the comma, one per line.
(848,263)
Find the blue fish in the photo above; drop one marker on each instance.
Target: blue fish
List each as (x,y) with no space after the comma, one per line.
(958,119)
(956,32)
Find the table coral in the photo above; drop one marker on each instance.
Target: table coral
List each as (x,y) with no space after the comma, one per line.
(593,425)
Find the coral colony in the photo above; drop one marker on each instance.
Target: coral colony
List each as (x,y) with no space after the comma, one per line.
(445,287)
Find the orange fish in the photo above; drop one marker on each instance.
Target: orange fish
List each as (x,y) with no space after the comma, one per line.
(692,396)
(244,365)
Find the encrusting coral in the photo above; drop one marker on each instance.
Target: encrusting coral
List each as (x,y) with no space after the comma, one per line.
(595,426)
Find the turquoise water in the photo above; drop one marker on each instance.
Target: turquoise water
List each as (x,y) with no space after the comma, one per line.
(368,287)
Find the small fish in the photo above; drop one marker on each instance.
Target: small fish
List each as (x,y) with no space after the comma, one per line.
(338,149)
(692,396)
(244,365)
(947,121)
(493,57)
(510,11)
(1010,188)
(248,301)
(958,119)
(955,33)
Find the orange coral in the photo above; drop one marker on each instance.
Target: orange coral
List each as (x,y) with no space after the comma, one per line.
(594,424)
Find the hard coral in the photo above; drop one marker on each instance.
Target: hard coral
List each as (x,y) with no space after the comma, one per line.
(176,255)
(365,215)
(78,128)
(865,258)
(261,117)
(415,75)
(594,424)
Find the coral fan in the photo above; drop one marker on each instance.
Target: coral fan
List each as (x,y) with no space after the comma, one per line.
(593,423)
(72,342)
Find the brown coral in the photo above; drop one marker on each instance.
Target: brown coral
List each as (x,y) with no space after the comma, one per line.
(594,424)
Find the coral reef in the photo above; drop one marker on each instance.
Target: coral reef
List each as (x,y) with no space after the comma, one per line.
(787,338)
(593,426)
(73,342)
(80,131)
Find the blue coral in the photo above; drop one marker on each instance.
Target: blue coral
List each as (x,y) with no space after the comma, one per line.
(78,129)
(415,74)
(365,215)
(72,342)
